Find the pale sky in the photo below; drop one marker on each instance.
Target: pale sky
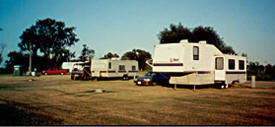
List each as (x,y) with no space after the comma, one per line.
(119,26)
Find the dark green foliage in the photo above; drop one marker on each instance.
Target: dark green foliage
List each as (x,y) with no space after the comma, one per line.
(140,55)
(17,58)
(208,34)
(86,53)
(175,34)
(261,72)
(51,38)
(179,32)
(110,55)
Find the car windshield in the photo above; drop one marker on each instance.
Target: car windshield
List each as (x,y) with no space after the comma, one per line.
(150,74)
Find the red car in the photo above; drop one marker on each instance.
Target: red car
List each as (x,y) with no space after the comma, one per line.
(54,71)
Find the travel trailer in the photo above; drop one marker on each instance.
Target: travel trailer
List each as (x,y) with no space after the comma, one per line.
(81,70)
(69,65)
(113,68)
(190,63)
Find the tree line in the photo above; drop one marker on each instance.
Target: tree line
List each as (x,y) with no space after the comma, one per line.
(261,72)
(175,33)
(49,40)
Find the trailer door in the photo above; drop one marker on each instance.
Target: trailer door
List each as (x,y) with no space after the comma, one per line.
(219,69)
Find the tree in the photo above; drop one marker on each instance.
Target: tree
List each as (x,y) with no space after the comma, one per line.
(208,34)
(110,55)
(140,55)
(17,58)
(226,49)
(261,72)
(86,53)
(175,34)
(178,32)
(2,47)
(51,38)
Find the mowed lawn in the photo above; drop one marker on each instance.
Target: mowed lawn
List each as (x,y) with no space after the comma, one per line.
(57,100)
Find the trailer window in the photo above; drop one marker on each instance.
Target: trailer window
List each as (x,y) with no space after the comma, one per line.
(110,65)
(231,64)
(219,63)
(195,53)
(121,68)
(133,68)
(241,65)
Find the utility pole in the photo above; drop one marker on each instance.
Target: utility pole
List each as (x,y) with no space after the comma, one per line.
(30,59)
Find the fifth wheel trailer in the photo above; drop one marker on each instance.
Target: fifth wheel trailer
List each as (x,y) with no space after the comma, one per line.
(190,63)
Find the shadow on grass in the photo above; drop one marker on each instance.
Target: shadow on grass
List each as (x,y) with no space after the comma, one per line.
(10,115)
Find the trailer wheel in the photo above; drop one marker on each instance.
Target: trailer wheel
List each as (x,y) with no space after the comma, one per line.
(125,77)
(61,73)
(45,73)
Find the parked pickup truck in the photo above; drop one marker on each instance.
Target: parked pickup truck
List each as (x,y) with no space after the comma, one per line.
(54,71)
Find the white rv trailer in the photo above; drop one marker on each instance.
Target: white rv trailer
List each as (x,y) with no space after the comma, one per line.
(113,68)
(198,64)
(70,65)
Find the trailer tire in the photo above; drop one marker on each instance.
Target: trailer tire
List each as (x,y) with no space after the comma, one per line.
(61,73)
(222,86)
(125,77)
(45,73)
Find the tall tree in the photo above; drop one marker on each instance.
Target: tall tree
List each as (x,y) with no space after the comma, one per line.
(2,47)
(174,34)
(51,38)
(178,32)
(110,55)
(140,55)
(86,53)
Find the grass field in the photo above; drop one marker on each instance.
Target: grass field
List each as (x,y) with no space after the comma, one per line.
(57,100)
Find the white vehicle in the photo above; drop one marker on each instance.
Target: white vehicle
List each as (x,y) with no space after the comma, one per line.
(81,70)
(113,68)
(198,64)
(70,65)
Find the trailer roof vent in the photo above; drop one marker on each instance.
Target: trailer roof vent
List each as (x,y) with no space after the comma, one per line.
(202,42)
(184,41)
